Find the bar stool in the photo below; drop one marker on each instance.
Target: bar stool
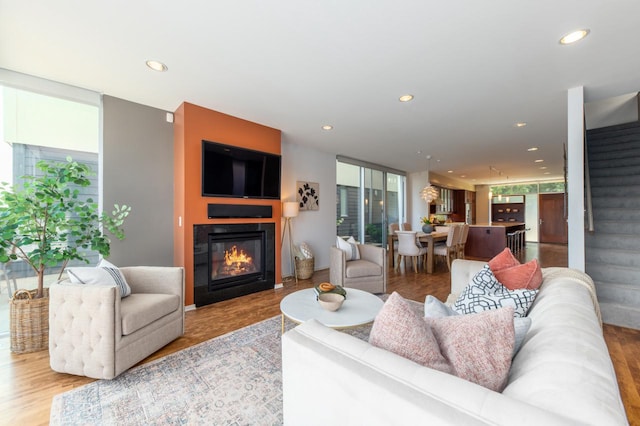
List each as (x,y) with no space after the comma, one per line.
(516,240)
(523,238)
(511,241)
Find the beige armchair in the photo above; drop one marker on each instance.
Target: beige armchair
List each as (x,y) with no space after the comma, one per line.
(367,273)
(95,333)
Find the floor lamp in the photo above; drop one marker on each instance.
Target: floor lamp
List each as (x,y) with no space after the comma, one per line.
(289,211)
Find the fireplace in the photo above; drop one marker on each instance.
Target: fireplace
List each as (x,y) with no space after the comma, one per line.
(235,258)
(232,260)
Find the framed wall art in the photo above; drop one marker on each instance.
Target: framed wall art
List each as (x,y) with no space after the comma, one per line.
(308,195)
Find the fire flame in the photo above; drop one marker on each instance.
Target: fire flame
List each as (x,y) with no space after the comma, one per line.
(233,256)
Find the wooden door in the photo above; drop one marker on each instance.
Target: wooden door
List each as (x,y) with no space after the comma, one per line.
(552,224)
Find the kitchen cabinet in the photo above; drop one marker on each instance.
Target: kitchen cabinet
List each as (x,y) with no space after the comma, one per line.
(508,211)
(485,241)
(469,197)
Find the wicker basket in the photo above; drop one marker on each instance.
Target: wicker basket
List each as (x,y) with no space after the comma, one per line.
(304,267)
(29,321)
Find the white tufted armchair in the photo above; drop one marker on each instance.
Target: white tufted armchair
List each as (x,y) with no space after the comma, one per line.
(95,333)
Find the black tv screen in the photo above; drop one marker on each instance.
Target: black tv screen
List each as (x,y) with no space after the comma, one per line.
(229,171)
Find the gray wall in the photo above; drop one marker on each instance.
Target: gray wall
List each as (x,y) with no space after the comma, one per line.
(137,154)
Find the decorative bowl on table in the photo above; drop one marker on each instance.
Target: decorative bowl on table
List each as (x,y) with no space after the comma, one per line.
(330,301)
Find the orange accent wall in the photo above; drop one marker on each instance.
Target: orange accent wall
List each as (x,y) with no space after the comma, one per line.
(191,125)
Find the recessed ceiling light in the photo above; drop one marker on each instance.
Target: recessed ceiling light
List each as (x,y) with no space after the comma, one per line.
(327,127)
(157,66)
(520,124)
(574,36)
(538,161)
(547,173)
(543,168)
(533,148)
(405,98)
(463,176)
(449,171)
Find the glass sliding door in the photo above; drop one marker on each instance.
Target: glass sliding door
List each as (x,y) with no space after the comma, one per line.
(348,200)
(369,198)
(395,199)
(374,198)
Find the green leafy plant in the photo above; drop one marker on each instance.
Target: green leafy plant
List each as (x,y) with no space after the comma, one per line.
(44,222)
(425,220)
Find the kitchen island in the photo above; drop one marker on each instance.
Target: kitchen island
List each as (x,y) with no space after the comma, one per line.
(488,239)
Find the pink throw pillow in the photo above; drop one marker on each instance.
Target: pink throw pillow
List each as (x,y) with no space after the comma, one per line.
(400,329)
(504,259)
(479,347)
(527,275)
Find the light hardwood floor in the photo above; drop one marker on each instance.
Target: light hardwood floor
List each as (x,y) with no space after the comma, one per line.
(27,384)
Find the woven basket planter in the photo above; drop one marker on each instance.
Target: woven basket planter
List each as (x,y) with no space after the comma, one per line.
(304,268)
(29,321)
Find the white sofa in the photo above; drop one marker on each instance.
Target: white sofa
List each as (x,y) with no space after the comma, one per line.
(562,374)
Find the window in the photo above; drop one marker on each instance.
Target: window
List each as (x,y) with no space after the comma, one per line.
(36,126)
(528,191)
(370,197)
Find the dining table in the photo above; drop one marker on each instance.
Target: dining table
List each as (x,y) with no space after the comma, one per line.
(428,239)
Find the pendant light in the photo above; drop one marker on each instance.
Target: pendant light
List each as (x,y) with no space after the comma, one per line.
(429,193)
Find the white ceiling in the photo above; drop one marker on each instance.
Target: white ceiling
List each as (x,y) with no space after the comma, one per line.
(475,68)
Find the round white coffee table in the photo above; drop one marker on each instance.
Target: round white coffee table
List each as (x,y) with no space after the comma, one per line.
(359,308)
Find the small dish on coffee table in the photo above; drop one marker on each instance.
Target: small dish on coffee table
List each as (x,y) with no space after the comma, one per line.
(331,301)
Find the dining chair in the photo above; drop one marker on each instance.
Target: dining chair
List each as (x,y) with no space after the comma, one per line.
(393,227)
(462,241)
(408,247)
(405,226)
(449,249)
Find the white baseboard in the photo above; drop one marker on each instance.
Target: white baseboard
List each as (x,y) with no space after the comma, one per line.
(190,308)
(278,285)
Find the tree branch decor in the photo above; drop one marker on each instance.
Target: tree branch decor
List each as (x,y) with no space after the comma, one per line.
(43,222)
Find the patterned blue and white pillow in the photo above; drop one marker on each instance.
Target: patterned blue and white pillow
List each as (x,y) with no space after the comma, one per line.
(485,293)
(105,273)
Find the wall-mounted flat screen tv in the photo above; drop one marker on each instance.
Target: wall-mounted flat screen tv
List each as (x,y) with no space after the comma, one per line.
(229,171)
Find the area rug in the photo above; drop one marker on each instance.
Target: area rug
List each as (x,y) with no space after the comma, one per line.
(235,379)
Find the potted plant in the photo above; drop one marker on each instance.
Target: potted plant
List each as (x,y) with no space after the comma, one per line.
(44,223)
(427,227)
